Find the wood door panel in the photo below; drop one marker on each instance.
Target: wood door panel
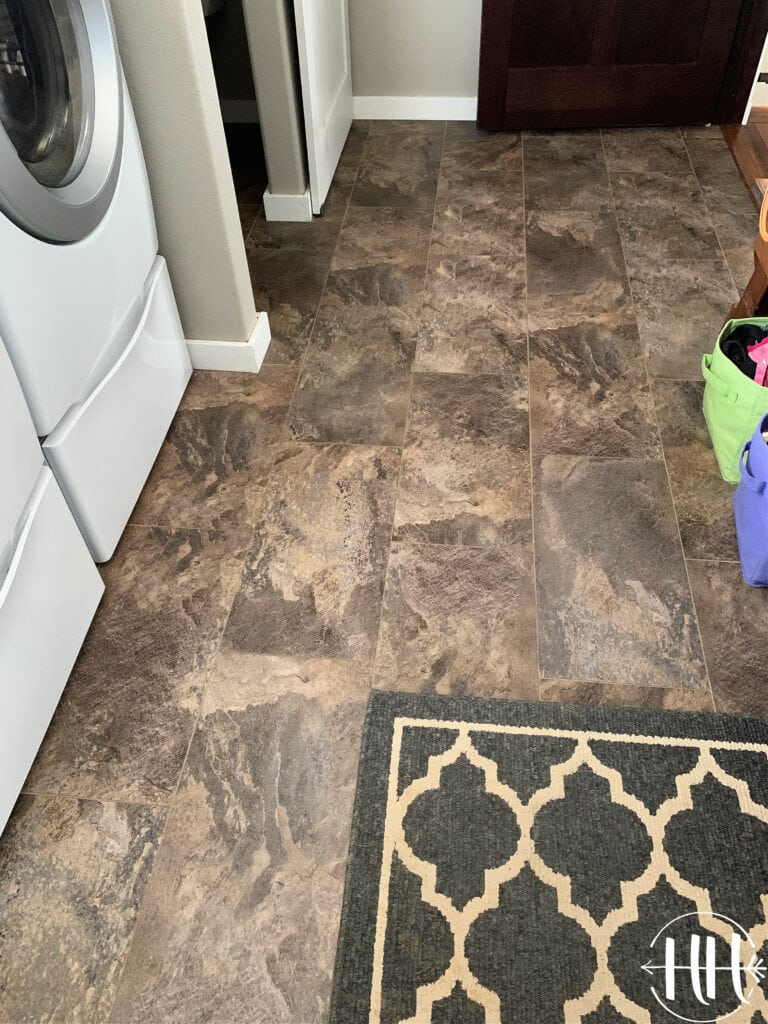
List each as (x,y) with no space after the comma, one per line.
(535,45)
(586,63)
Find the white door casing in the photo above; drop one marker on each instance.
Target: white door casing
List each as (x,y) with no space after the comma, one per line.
(322,31)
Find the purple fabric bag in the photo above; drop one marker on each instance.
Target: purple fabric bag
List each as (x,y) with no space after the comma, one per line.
(750,508)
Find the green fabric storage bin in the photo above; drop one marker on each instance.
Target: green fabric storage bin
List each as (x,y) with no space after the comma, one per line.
(733,404)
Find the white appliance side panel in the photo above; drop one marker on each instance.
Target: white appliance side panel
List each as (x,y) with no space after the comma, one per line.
(20,456)
(62,305)
(47,601)
(103,451)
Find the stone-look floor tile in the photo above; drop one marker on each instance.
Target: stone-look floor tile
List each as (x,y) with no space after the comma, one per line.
(589,394)
(380,258)
(240,920)
(618,695)
(356,377)
(713,132)
(248,214)
(481,152)
(313,581)
(481,407)
(638,150)
(664,217)
(613,598)
(372,234)
(460,621)
(681,307)
(478,212)
(352,152)
(434,129)
(566,171)
(465,477)
(575,268)
(399,168)
(288,285)
(464,492)
(318,235)
(127,714)
(732,617)
(218,450)
(72,877)
(730,205)
(703,500)
(473,316)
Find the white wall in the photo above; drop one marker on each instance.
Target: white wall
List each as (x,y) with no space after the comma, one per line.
(415,47)
(170,77)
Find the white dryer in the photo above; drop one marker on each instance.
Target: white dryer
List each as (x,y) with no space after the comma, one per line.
(49,590)
(86,307)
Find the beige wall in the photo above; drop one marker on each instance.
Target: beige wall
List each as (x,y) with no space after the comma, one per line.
(415,47)
(170,77)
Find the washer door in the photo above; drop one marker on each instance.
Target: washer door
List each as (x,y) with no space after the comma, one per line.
(61,115)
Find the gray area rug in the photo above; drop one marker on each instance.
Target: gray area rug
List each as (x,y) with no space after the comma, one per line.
(530,863)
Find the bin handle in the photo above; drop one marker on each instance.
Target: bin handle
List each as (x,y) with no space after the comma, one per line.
(712,379)
(758,486)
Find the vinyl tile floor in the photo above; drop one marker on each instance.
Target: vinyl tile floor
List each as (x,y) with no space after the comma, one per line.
(474,462)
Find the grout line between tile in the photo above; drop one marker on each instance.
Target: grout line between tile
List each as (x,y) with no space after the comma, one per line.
(385,587)
(670,490)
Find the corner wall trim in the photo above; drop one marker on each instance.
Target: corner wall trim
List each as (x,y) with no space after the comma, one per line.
(288,207)
(245,356)
(415,108)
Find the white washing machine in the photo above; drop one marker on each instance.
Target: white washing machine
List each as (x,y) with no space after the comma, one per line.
(49,590)
(86,306)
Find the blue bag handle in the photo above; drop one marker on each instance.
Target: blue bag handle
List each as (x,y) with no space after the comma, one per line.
(758,486)
(714,381)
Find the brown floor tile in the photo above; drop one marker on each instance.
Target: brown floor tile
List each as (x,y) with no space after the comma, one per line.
(466,406)
(618,695)
(732,617)
(373,234)
(318,235)
(589,395)
(218,450)
(566,171)
(356,377)
(473,317)
(239,922)
(641,150)
(613,598)
(313,582)
(288,285)
(663,216)
(575,268)
(465,477)
(681,307)
(352,153)
(730,205)
(703,500)
(127,714)
(399,168)
(481,152)
(478,213)
(72,878)
(380,258)
(459,620)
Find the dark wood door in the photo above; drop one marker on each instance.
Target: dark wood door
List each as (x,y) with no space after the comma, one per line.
(597,63)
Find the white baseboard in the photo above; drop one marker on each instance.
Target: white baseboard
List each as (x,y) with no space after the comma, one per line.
(245,356)
(288,207)
(415,108)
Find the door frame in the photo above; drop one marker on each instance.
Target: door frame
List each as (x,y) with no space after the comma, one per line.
(743,60)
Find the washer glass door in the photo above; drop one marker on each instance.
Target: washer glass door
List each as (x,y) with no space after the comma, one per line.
(60,115)
(41,94)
